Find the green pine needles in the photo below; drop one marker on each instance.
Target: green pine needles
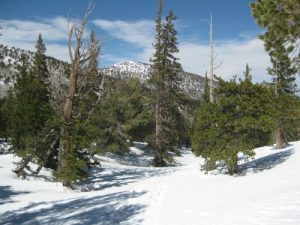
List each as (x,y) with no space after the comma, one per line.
(239,120)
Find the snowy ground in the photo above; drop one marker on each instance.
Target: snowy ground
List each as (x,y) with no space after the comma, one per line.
(266,192)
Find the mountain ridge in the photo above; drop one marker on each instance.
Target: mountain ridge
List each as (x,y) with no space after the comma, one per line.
(10,57)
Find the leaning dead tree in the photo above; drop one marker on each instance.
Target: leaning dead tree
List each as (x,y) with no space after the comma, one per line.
(51,140)
(78,57)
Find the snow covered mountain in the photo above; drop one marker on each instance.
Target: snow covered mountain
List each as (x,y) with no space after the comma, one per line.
(10,59)
(192,83)
(129,69)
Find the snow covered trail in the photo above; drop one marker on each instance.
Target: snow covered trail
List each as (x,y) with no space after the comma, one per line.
(267,192)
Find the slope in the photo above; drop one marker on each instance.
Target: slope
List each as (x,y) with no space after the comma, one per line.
(266,192)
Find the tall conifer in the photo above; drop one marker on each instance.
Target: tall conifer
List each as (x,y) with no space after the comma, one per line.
(28,109)
(281,20)
(164,80)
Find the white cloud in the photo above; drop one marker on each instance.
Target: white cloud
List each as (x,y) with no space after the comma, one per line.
(19,30)
(140,32)
(231,55)
(23,34)
(193,56)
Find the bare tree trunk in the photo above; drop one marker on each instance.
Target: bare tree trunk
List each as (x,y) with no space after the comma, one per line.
(48,153)
(67,113)
(78,56)
(211,68)
(20,169)
(22,165)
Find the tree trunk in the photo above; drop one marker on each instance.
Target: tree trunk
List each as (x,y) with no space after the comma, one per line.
(48,153)
(20,169)
(67,115)
(278,138)
(158,161)
(22,165)
(233,167)
(211,66)
(78,56)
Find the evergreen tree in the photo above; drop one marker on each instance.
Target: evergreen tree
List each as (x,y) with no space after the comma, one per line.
(2,120)
(123,115)
(237,122)
(40,65)
(247,73)
(72,165)
(83,130)
(286,118)
(164,81)
(27,112)
(89,84)
(281,19)
(206,95)
(283,72)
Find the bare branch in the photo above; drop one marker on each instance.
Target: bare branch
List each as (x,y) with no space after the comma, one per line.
(218,66)
(77,56)
(70,43)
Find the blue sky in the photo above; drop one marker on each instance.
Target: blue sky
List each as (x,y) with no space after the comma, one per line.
(126,29)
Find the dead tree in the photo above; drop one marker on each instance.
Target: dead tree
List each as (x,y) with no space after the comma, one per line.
(78,56)
(30,157)
(211,64)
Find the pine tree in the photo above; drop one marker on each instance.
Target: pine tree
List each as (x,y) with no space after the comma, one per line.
(247,73)
(206,90)
(123,115)
(283,72)
(89,84)
(164,80)
(281,19)
(27,112)
(25,115)
(40,65)
(237,122)
(2,120)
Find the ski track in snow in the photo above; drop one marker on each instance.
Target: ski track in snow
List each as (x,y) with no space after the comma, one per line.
(266,192)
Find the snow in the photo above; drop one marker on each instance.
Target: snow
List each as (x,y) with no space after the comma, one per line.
(129,69)
(266,192)
(193,84)
(131,66)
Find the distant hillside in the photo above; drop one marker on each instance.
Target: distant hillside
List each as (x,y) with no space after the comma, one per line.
(10,59)
(192,83)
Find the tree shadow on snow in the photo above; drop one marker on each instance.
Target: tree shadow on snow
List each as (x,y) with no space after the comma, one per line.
(102,178)
(6,192)
(267,162)
(133,160)
(103,210)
